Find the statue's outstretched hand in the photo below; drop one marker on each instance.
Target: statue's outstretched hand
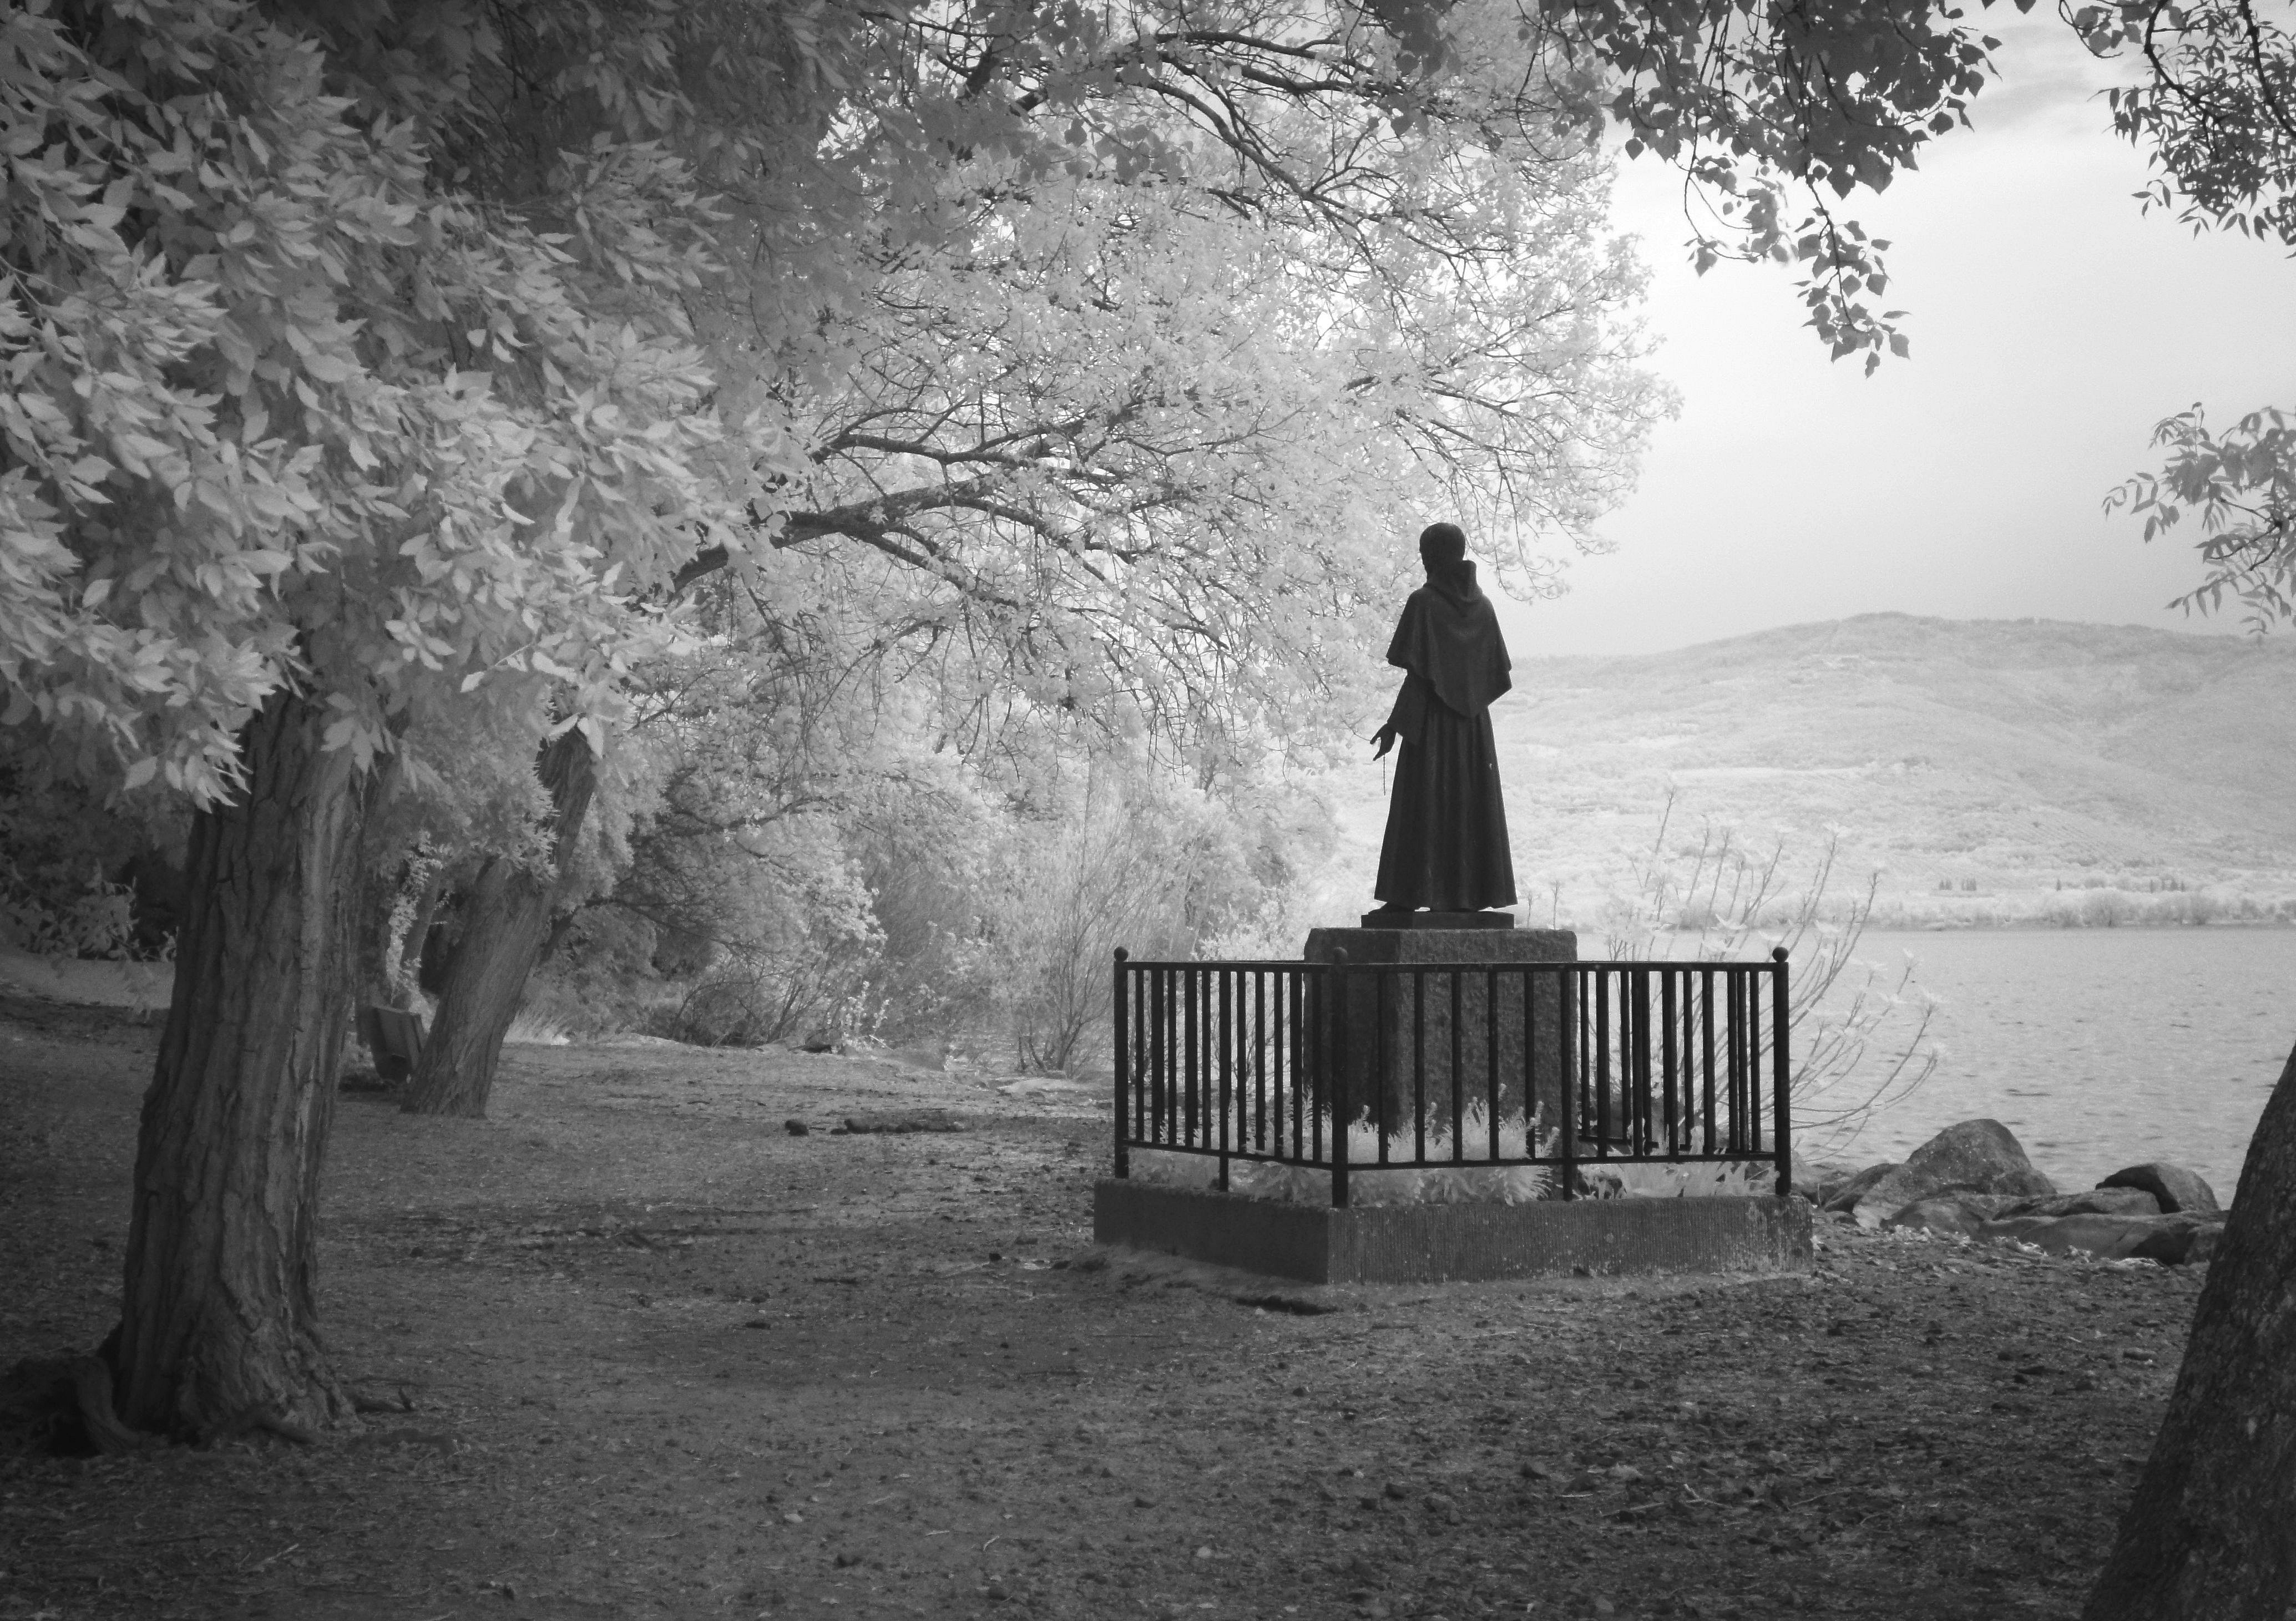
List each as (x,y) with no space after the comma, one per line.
(1384,740)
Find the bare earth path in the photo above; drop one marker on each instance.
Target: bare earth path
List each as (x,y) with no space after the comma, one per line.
(658,1357)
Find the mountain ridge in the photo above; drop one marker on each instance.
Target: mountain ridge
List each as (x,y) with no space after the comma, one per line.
(1999,757)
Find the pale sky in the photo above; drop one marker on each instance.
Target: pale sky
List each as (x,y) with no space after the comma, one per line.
(2052,323)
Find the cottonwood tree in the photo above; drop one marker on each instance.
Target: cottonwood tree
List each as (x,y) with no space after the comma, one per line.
(1158,454)
(299,427)
(1139,424)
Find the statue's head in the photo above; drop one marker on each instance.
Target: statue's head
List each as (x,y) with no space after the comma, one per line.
(1440,544)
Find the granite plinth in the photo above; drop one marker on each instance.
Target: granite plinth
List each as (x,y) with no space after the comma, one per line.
(1395,1028)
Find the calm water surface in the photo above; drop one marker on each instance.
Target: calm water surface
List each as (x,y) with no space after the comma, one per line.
(2099,1047)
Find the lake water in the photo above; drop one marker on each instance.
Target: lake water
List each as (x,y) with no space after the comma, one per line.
(2099,1047)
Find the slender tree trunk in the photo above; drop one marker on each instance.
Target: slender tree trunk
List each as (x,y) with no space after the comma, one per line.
(406,968)
(505,918)
(218,1322)
(2208,1536)
(398,895)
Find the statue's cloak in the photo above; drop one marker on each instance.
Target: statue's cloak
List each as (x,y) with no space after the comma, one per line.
(1450,635)
(1447,838)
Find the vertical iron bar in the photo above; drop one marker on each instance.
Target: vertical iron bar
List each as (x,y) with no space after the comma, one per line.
(1318,987)
(1178,1123)
(1216,1060)
(1530,1071)
(1338,1072)
(1158,1084)
(1754,1051)
(1188,1055)
(1602,1063)
(1419,1063)
(1207,1036)
(1378,1067)
(1159,1002)
(1491,1055)
(1175,993)
(1668,1047)
(1645,1104)
(1314,997)
(1458,1063)
(1173,1054)
(1259,1066)
(1122,1068)
(1288,992)
(1781,1072)
(1706,1047)
(1570,1005)
(1583,1075)
(1226,1074)
(1634,1022)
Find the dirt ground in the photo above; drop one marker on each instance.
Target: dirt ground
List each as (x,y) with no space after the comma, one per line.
(653,1355)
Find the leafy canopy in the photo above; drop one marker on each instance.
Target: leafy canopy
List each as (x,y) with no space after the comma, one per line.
(287,405)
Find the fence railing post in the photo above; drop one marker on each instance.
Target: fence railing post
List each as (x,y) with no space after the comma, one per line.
(1336,1012)
(1118,1055)
(1781,1072)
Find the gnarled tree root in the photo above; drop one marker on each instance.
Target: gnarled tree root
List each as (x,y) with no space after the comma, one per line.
(62,1404)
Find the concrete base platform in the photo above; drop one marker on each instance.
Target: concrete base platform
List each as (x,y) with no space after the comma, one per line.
(1429,1243)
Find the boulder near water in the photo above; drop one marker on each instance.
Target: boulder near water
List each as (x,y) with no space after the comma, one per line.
(1978,1156)
(2173,1241)
(2175,1188)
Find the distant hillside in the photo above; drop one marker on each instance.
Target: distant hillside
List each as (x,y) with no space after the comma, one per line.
(2004,760)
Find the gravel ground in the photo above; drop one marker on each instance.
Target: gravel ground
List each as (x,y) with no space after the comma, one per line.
(636,1350)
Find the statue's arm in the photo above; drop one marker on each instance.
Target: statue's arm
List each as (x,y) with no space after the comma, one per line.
(1405,720)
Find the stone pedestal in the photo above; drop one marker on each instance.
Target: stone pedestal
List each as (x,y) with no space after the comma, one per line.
(1396,1039)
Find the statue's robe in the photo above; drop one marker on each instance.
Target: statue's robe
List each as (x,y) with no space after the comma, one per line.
(1446,837)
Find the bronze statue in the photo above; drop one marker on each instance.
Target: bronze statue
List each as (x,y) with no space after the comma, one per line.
(1446,839)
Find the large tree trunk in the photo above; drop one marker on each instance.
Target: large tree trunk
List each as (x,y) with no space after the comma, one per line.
(2208,1535)
(218,1322)
(505,918)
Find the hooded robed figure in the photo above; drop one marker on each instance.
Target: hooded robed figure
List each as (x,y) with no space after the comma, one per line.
(1447,838)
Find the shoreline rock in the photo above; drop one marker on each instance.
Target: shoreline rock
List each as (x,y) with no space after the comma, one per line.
(2175,1188)
(1972,1179)
(1972,1156)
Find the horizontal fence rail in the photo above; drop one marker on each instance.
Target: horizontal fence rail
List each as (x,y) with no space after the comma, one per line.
(1344,1067)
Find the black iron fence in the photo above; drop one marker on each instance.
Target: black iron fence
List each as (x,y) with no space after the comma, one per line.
(1347,1068)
